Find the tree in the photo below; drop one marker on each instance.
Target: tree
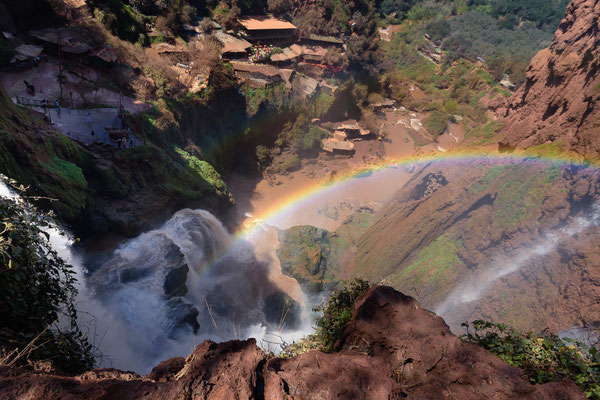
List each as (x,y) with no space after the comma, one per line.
(279,6)
(143,6)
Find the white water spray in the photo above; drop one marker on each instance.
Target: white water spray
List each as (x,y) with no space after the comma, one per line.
(157,287)
(475,287)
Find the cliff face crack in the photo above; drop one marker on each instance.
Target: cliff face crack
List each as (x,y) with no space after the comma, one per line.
(259,387)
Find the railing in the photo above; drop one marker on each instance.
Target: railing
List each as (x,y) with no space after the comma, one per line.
(72,104)
(66,103)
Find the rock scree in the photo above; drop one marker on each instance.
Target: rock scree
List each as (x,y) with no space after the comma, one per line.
(392,349)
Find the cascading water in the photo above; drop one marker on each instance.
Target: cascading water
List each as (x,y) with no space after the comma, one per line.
(160,285)
(148,300)
(473,289)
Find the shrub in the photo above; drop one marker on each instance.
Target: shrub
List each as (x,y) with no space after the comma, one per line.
(336,314)
(37,288)
(312,139)
(436,123)
(544,358)
(263,155)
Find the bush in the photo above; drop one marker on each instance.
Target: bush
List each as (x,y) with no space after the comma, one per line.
(544,358)
(37,288)
(436,123)
(312,139)
(336,314)
(263,156)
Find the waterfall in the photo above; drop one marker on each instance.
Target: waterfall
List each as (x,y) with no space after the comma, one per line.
(154,290)
(475,287)
(146,301)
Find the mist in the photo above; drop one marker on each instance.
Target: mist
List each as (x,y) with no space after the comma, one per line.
(471,290)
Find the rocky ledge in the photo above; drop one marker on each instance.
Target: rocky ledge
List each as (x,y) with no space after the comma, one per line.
(392,349)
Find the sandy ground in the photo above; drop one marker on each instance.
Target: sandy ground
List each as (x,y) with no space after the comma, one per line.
(283,200)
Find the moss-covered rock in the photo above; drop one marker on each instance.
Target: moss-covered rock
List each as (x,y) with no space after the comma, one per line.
(96,188)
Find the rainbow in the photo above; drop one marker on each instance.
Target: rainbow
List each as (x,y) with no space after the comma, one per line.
(319,187)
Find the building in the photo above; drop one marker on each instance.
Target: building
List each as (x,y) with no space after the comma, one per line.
(335,146)
(312,54)
(256,75)
(103,56)
(234,48)
(69,40)
(26,54)
(320,40)
(287,55)
(266,28)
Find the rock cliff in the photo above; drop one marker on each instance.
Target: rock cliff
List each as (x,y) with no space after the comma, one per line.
(453,223)
(392,349)
(557,106)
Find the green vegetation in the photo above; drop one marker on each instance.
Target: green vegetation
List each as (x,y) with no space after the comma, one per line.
(37,289)
(122,21)
(437,123)
(204,170)
(476,35)
(519,191)
(336,314)
(66,170)
(519,196)
(490,177)
(484,133)
(549,150)
(544,358)
(308,254)
(434,267)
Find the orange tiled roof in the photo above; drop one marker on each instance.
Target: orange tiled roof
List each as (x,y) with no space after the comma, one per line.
(264,22)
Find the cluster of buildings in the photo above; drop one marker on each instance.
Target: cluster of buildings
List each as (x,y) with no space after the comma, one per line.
(344,134)
(266,51)
(66,43)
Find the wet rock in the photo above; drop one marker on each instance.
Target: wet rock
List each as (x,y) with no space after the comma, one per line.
(282,311)
(175,281)
(182,313)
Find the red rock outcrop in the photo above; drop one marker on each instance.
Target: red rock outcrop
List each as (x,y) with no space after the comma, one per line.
(558,102)
(392,349)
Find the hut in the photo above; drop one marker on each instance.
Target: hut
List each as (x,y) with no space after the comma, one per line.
(256,75)
(69,40)
(334,146)
(266,28)
(103,56)
(26,54)
(234,48)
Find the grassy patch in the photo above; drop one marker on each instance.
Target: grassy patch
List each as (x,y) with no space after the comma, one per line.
(336,314)
(435,264)
(549,150)
(490,176)
(204,169)
(70,172)
(487,131)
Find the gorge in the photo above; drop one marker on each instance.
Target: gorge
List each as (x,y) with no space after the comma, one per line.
(368,199)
